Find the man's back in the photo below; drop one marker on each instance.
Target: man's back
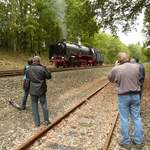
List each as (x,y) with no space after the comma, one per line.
(38,75)
(127,77)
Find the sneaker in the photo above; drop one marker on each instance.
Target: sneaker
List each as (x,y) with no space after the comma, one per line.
(22,108)
(18,107)
(46,123)
(127,146)
(138,146)
(36,126)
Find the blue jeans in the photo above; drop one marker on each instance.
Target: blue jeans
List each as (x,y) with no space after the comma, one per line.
(24,99)
(130,104)
(35,111)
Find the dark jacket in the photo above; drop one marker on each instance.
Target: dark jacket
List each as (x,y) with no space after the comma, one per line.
(142,74)
(38,75)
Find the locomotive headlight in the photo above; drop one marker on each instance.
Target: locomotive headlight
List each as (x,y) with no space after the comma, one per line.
(52,57)
(62,57)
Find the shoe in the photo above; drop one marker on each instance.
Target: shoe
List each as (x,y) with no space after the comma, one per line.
(127,146)
(36,126)
(46,123)
(137,146)
(22,108)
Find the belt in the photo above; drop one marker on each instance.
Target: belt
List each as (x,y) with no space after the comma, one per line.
(130,92)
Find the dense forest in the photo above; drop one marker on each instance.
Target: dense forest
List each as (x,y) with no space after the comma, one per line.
(31,25)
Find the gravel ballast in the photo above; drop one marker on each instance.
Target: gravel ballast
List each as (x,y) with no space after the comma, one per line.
(17,125)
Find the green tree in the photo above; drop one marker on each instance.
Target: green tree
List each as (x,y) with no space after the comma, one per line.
(109,46)
(135,51)
(34,24)
(81,21)
(28,24)
(9,27)
(146,53)
(3,24)
(147,26)
(124,13)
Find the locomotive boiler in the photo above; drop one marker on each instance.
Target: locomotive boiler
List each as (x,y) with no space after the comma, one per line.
(71,55)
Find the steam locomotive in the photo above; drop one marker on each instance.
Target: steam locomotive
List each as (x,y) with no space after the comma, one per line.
(71,55)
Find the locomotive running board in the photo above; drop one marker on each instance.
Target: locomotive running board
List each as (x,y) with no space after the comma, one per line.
(14,104)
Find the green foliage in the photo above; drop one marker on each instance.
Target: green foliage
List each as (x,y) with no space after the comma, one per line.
(81,20)
(121,12)
(146,52)
(143,54)
(109,46)
(147,25)
(28,24)
(135,51)
(31,25)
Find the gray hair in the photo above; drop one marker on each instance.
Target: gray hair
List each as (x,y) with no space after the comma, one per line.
(123,57)
(133,60)
(36,59)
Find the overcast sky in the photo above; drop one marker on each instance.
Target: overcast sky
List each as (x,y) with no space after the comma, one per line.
(134,36)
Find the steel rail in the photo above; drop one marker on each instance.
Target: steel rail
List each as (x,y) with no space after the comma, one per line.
(20,72)
(42,131)
(109,137)
(89,97)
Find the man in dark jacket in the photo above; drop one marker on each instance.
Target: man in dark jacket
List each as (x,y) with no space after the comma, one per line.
(142,73)
(38,75)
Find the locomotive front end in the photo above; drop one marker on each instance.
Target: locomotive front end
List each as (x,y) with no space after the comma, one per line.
(57,54)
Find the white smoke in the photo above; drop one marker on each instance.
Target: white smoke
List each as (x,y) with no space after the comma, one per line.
(59,8)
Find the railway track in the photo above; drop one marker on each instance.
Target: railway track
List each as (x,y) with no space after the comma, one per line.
(39,134)
(7,73)
(70,88)
(107,143)
(109,137)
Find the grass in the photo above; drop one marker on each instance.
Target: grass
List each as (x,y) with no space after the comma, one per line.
(17,60)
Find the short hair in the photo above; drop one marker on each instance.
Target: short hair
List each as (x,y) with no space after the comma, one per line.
(30,61)
(137,60)
(123,57)
(36,59)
